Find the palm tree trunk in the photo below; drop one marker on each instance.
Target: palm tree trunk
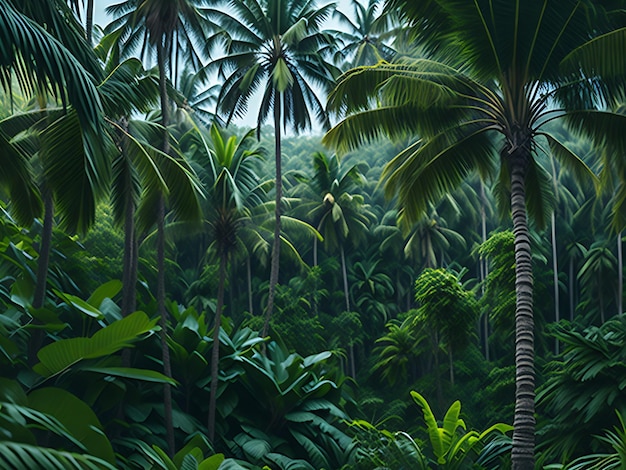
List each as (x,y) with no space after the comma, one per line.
(129,274)
(89,22)
(277,211)
(451,363)
(620,275)
(484,266)
(522,453)
(165,350)
(344,273)
(167,368)
(129,269)
(249,275)
(571,288)
(215,352)
(555,279)
(39,297)
(601,297)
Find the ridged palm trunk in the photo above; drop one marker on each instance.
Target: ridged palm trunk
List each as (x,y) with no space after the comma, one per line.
(89,22)
(346,293)
(555,278)
(620,275)
(522,454)
(44,250)
(39,297)
(167,368)
(215,352)
(484,265)
(129,270)
(277,211)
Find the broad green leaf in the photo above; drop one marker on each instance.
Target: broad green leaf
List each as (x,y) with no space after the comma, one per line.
(211,463)
(281,76)
(61,355)
(256,448)
(434,432)
(80,305)
(76,416)
(132,373)
(108,290)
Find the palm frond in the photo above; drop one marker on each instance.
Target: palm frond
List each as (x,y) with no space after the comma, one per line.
(19,455)
(427,170)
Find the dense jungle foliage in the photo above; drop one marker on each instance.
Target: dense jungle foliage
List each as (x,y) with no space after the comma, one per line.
(431,276)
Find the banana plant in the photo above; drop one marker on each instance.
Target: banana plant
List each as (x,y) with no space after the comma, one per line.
(452,448)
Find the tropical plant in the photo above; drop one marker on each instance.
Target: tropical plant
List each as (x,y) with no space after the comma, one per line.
(288,412)
(398,348)
(279,49)
(448,447)
(233,188)
(616,439)
(447,310)
(476,99)
(583,386)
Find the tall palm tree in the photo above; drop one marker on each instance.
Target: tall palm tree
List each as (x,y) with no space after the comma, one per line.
(480,97)
(335,210)
(167,29)
(233,189)
(365,41)
(340,215)
(279,50)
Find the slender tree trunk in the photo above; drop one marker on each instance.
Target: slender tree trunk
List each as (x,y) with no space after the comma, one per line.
(165,350)
(167,368)
(89,22)
(129,274)
(344,273)
(571,288)
(451,362)
(620,275)
(352,361)
(39,297)
(277,211)
(129,268)
(215,352)
(439,388)
(555,279)
(523,449)
(249,275)
(601,298)
(484,266)
(315,251)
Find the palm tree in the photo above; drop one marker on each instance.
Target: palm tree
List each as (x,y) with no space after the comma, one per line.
(339,215)
(56,54)
(279,50)
(489,81)
(169,29)
(365,42)
(335,211)
(233,189)
(62,144)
